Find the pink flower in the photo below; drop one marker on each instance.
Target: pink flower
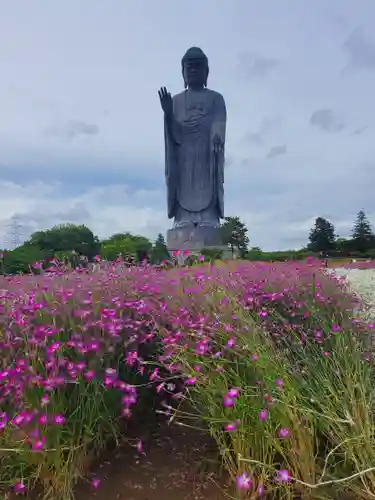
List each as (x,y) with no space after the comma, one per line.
(232,426)
(126,412)
(38,444)
(42,420)
(89,375)
(58,419)
(283,476)
(228,402)
(19,487)
(155,374)
(231,342)
(284,433)
(268,398)
(230,396)
(95,483)
(139,446)
(233,393)
(160,387)
(44,400)
(263,414)
(244,481)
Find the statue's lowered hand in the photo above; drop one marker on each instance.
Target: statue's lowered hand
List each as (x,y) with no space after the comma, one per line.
(166,101)
(218,143)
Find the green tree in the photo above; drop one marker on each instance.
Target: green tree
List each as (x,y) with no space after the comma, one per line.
(234,234)
(2,257)
(159,250)
(322,236)
(255,253)
(362,235)
(143,246)
(125,247)
(65,238)
(23,257)
(344,246)
(125,244)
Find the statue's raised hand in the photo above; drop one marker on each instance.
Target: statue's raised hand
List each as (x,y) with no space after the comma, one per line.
(166,101)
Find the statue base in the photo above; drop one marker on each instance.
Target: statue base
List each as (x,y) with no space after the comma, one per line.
(193,238)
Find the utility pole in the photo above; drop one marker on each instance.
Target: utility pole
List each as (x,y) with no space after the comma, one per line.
(15,231)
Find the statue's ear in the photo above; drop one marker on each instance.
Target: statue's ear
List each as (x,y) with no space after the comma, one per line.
(183,76)
(205,81)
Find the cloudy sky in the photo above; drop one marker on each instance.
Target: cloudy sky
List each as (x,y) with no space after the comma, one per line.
(81,134)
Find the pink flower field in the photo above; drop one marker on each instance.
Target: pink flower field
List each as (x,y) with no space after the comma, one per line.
(353,264)
(265,360)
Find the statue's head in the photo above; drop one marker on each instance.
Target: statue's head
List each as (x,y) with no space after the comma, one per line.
(195,68)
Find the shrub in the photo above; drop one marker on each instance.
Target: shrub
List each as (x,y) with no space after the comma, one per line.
(65,378)
(212,254)
(258,255)
(284,401)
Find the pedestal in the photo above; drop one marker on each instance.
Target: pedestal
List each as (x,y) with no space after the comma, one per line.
(193,238)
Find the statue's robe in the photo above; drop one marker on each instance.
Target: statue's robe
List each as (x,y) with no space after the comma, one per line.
(194,172)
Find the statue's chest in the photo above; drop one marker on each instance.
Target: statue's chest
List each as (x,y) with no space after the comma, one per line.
(195,109)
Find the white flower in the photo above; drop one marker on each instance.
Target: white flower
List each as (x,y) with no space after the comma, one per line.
(362,283)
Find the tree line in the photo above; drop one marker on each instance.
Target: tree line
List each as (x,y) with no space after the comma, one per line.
(77,244)
(323,238)
(322,241)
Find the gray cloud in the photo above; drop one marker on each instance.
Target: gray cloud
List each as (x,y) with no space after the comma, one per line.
(257,66)
(266,127)
(106,210)
(359,50)
(276,151)
(228,161)
(73,214)
(73,129)
(254,138)
(360,130)
(326,120)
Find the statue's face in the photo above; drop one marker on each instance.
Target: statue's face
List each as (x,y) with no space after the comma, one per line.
(195,72)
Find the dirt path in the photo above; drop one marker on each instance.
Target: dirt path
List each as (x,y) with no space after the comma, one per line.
(171,467)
